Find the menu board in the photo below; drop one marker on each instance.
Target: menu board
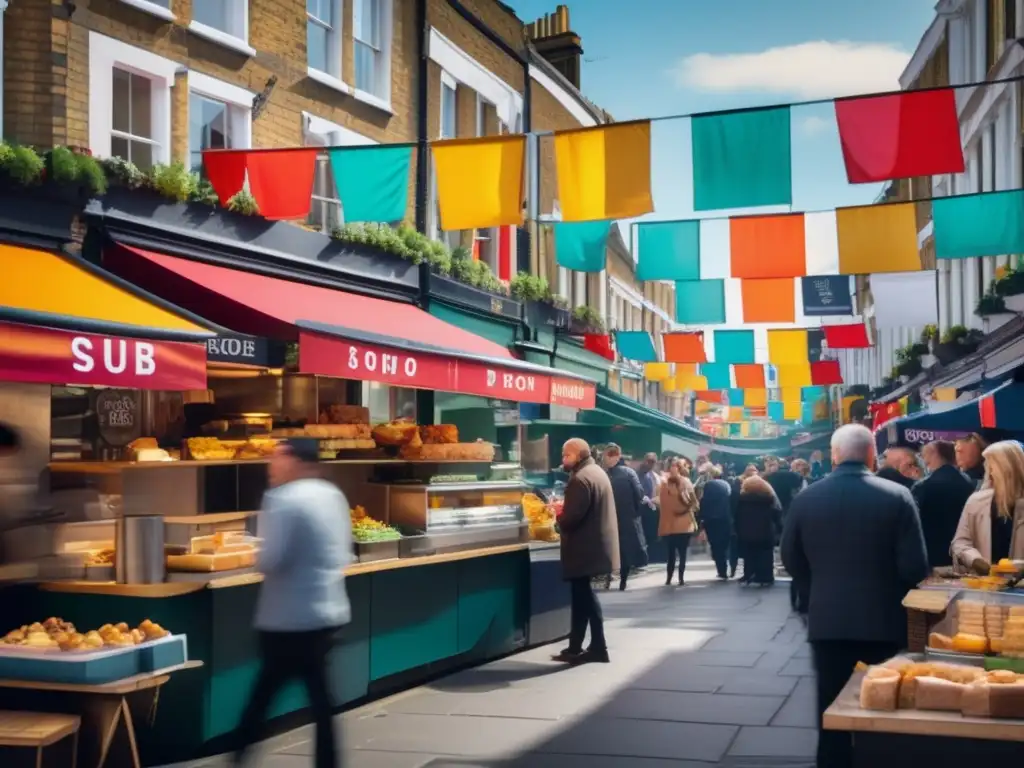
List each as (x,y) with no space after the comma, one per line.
(117,414)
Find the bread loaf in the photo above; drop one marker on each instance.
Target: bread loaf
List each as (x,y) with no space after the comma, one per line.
(975,699)
(1007,701)
(879,689)
(940,695)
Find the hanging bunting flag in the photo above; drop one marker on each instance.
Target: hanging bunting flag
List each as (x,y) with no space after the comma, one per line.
(792,411)
(769,301)
(787,346)
(900,135)
(684,347)
(709,396)
(807,413)
(668,250)
(605,172)
(877,238)
(826,373)
(582,245)
(691,382)
(657,371)
(700,302)
(736,347)
(734,396)
(852,336)
(794,375)
(755,397)
(988,224)
(827,295)
(280,180)
(759,412)
(668,385)
(599,344)
(791,394)
(987,411)
(718,375)
(810,394)
(776,411)
(636,345)
(763,247)
(742,159)
(372,181)
(480,181)
(944,394)
(905,299)
(749,376)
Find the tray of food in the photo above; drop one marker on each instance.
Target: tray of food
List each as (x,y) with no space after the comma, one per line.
(221,551)
(980,624)
(372,539)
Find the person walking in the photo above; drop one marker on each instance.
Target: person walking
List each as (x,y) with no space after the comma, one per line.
(786,485)
(650,479)
(629,505)
(940,498)
(589,548)
(970,458)
(988,530)
(735,550)
(677,518)
(852,522)
(306,544)
(899,466)
(716,517)
(758,520)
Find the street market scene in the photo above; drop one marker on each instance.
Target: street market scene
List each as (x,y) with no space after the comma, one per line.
(401,383)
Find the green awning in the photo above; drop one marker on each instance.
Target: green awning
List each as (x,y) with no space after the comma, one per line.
(499,330)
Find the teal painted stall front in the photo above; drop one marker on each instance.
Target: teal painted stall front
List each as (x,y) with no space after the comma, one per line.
(408,624)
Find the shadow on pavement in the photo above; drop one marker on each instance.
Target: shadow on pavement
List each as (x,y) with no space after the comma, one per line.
(484,679)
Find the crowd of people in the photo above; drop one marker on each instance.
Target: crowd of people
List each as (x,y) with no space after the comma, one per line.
(854,535)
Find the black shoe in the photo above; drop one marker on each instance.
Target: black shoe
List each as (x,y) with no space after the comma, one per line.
(722,577)
(732,573)
(567,656)
(622,586)
(591,657)
(668,582)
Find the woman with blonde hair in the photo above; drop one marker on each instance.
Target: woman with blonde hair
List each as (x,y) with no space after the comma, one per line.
(677,517)
(989,528)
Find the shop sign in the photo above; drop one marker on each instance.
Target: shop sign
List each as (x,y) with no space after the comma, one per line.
(117,412)
(503,383)
(41,355)
(923,436)
(244,350)
(827,295)
(572,392)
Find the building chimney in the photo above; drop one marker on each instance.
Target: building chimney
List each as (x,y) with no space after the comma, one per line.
(554,39)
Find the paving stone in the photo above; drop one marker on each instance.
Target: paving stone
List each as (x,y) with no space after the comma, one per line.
(678,674)
(725,658)
(757,683)
(693,707)
(538,760)
(801,708)
(799,668)
(775,742)
(643,738)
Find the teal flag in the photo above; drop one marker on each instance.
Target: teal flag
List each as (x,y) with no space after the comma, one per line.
(776,411)
(372,182)
(807,413)
(742,159)
(812,394)
(719,376)
(989,224)
(736,347)
(582,245)
(700,302)
(636,345)
(735,397)
(668,250)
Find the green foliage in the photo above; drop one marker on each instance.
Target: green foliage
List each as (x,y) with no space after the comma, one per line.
(990,304)
(244,203)
(588,317)
(527,287)
(21,165)
(174,182)
(929,334)
(205,193)
(954,334)
(67,168)
(123,173)
(1010,284)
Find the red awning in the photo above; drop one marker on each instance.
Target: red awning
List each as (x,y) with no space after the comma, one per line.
(348,335)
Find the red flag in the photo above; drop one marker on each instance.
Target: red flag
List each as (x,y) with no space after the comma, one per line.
(826,372)
(684,347)
(225,170)
(710,395)
(884,412)
(281,180)
(900,135)
(599,344)
(987,406)
(853,336)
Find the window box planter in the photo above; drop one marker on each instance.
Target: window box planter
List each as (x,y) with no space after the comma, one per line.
(462,294)
(949,352)
(36,214)
(579,327)
(540,315)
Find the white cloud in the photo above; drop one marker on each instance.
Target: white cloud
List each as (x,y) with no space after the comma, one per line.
(814,125)
(813,70)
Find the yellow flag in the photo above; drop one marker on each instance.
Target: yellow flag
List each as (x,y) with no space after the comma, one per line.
(877,238)
(791,394)
(734,414)
(657,371)
(700,407)
(480,181)
(605,172)
(794,375)
(669,384)
(792,411)
(755,398)
(787,347)
(691,382)
(944,394)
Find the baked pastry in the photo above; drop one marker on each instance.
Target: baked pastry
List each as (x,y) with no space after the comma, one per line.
(879,689)
(209,449)
(336,413)
(439,434)
(940,642)
(395,433)
(940,695)
(256,448)
(141,443)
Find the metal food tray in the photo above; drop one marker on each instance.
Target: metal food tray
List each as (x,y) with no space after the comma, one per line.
(370,551)
(439,543)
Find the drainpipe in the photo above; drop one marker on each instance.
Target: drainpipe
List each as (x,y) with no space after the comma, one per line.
(3,7)
(422,122)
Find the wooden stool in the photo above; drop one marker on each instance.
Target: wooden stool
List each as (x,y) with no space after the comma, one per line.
(39,730)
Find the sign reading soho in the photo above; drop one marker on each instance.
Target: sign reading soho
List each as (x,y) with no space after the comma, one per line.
(41,355)
(327,356)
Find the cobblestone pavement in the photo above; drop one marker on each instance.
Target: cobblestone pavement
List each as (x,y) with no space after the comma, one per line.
(710,674)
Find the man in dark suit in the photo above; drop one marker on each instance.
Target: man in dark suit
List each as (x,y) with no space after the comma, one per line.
(940,499)
(590,547)
(629,498)
(856,541)
(899,466)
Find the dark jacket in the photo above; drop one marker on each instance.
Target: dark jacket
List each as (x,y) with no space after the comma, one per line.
(856,541)
(590,537)
(894,475)
(629,496)
(940,500)
(758,518)
(976,475)
(786,484)
(714,503)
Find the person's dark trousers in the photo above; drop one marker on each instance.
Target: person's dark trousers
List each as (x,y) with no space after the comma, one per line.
(834,661)
(759,563)
(798,596)
(734,554)
(585,611)
(677,544)
(287,656)
(623,575)
(718,537)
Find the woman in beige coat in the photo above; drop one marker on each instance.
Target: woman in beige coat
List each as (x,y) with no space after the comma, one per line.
(677,518)
(991,524)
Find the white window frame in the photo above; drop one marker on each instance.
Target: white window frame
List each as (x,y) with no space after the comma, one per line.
(237,39)
(490,235)
(463,68)
(447,81)
(152,8)
(318,132)
(331,77)
(239,102)
(106,54)
(381,99)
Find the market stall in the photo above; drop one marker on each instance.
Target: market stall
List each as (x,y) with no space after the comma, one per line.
(418,424)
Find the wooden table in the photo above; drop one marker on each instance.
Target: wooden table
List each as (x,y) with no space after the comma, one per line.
(37,730)
(884,739)
(107,708)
